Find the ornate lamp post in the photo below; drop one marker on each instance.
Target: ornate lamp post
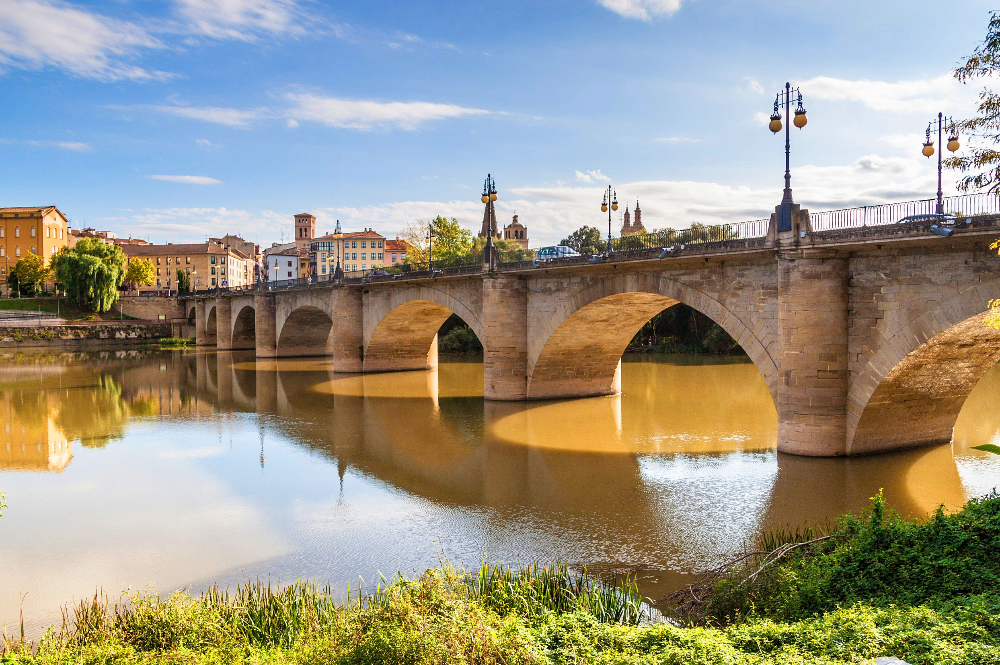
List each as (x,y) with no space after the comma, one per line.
(489,220)
(953,145)
(430,245)
(338,273)
(785,97)
(609,203)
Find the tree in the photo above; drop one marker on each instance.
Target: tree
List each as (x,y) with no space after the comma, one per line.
(183,281)
(451,241)
(30,271)
(91,273)
(982,163)
(139,273)
(586,240)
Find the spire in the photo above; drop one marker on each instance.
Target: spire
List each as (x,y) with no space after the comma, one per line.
(337,228)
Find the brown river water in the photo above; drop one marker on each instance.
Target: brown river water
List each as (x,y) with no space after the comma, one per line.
(167,470)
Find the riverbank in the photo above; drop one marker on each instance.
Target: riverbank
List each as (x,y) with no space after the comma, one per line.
(872,586)
(90,334)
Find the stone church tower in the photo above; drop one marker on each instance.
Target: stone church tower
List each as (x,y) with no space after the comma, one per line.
(305,229)
(629,227)
(517,232)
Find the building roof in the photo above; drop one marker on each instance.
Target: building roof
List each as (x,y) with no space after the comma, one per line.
(397,245)
(353,235)
(153,250)
(40,210)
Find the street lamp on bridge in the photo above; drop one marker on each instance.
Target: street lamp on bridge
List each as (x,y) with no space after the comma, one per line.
(338,273)
(953,145)
(609,203)
(785,97)
(490,220)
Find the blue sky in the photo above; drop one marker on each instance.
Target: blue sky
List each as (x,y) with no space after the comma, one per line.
(177,119)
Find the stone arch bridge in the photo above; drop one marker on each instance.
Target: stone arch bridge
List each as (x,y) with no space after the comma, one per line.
(868,340)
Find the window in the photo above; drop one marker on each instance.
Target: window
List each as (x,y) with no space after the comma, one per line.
(157,260)
(17,231)
(157,271)
(47,231)
(1,231)
(289,275)
(168,260)
(324,268)
(60,234)
(404,257)
(32,231)
(213,272)
(53,250)
(33,251)
(178,261)
(223,271)
(354,243)
(2,250)
(364,267)
(380,256)
(362,254)
(289,264)
(213,260)
(394,257)
(187,259)
(213,281)
(157,283)
(380,244)
(362,244)
(17,250)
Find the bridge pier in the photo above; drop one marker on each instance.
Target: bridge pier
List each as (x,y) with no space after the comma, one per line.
(813,323)
(200,321)
(505,349)
(348,330)
(265,326)
(224,323)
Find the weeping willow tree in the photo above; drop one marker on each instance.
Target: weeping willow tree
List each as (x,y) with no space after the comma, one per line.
(91,273)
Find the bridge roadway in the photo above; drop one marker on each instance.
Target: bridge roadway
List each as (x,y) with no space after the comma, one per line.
(869,339)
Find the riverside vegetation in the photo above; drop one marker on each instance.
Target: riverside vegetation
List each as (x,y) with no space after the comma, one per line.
(868,586)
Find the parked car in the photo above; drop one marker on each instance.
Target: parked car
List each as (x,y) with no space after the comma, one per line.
(555,252)
(930,218)
(379,272)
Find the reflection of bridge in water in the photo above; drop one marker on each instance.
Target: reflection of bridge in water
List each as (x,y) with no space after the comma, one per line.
(868,338)
(625,498)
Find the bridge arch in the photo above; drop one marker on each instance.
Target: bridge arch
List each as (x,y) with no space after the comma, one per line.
(404,332)
(245,328)
(211,326)
(577,350)
(911,389)
(306,330)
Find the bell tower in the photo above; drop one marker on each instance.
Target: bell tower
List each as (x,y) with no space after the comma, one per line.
(305,229)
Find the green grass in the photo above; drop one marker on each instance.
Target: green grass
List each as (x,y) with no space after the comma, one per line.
(64,309)
(924,592)
(175,341)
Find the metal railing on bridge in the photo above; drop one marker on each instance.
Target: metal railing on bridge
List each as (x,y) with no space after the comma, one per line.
(974,210)
(9,317)
(968,205)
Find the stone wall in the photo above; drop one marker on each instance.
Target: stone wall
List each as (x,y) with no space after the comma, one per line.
(108,334)
(152,308)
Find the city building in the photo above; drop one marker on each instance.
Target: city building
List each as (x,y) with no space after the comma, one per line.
(41,230)
(630,227)
(35,442)
(517,232)
(395,252)
(209,265)
(107,237)
(284,249)
(359,252)
(282,265)
(305,229)
(246,248)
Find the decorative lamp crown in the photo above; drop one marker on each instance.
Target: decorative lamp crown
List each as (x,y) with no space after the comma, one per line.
(800,119)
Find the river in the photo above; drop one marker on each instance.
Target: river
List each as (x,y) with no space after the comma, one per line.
(165,470)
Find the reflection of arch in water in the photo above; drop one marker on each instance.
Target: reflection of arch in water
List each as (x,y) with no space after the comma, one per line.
(912,389)
(244,329)
(577,350)
(405,338)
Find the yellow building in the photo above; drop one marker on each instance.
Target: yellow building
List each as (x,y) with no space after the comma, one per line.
(208,264)
(359,252)
(32,443)
(40,230)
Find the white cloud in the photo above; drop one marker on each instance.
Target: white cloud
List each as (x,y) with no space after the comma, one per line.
(48,33)
(942,93)
(205,143)
(365,114)
(912,141)
(676,139)
(592,176)
(761,118)
(643,10)
(195,224)
(241,19)
(187,179)
(214,114)
(754,84)
(73,146)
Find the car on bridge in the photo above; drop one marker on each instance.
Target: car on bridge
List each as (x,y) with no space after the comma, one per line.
(555,252)
(938,223)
